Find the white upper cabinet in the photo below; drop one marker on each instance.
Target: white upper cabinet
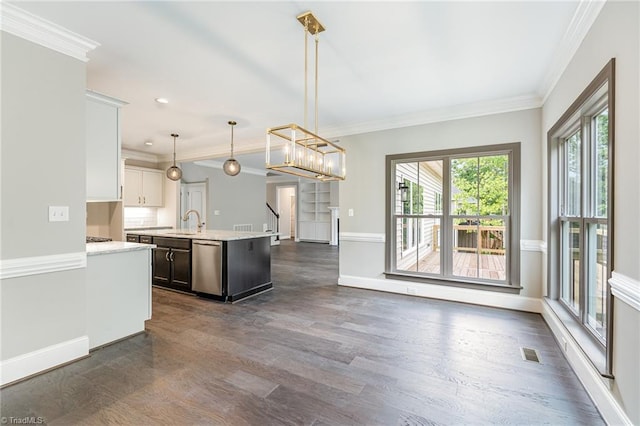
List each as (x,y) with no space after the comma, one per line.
(143,187)
(103,147)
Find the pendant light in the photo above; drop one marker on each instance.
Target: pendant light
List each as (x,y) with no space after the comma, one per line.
(174,172)
(295,149)
(231,166)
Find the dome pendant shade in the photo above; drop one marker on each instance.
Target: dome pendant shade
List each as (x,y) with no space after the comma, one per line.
(231,166)
(174,172)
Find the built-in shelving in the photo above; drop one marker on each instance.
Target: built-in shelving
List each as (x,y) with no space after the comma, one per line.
(314,219)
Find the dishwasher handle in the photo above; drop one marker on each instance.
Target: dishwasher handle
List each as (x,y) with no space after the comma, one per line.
(206,242)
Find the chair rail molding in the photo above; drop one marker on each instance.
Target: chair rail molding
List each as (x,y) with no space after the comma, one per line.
(363,237)
(626,289)
(24,266)
(533,245)
(35,29)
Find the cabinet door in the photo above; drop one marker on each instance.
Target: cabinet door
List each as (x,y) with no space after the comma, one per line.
(323,231)
(152,188)
(103,151)
(132,188)
(161,266)
(181,260)
(307,231)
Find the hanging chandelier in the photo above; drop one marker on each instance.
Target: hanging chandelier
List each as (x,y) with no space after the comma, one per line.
(296,150)
(174,172)
(231,166)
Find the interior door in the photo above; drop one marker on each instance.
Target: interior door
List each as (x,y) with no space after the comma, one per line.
(193,196)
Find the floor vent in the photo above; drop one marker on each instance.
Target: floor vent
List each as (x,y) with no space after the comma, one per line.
(529,354)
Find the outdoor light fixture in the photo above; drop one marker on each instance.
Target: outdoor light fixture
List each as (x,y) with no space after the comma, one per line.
(404,191)
(174,172)
(296,150)
(231,166)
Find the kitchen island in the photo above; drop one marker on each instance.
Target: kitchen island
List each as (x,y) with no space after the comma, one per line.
(223,265)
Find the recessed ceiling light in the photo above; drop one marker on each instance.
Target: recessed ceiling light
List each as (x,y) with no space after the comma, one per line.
(148,143)
(162,100)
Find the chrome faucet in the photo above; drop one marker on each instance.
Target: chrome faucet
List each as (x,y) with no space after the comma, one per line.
(186,218)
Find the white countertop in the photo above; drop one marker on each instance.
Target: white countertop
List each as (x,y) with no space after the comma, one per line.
(115,247)
(207,234)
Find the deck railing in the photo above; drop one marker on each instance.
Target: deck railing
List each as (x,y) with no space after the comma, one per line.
(489,238)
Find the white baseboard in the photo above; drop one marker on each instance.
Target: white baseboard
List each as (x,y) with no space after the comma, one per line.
(454,294)
(595,385)
(42,359)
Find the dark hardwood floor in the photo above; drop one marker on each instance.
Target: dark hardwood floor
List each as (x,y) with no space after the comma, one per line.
(312,353)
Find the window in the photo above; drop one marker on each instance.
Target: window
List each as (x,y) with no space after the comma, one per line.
(460,222)
(580,206)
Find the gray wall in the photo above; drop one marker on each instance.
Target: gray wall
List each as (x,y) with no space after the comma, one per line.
(364,189)
(240,199)
(615,34)
(42,164)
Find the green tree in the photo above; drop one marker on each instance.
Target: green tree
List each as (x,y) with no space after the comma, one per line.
(480,185)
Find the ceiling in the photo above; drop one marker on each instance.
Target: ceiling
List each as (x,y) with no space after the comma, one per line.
(382,64)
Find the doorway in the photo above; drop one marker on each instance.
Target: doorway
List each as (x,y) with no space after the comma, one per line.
(193,196)
(286,208)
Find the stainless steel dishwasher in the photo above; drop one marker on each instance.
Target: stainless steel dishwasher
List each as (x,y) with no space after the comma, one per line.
(207,267)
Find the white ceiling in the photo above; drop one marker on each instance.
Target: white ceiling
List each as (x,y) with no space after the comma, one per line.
(381,63)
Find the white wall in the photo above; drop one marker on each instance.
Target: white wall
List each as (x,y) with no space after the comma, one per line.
(615,33)
(42,164)
(364,189)
(240,199)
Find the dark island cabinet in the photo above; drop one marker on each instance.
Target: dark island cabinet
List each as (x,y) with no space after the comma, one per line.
(172,263)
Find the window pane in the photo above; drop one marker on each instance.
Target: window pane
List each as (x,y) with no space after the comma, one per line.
(601,172)
(430,180)
(428,251)
(597,278)
(465,244)
(464,186)
(493,175)
(406,244)
(572,175)
(479,249)
(418,245)
(570,265)
(493,250)
(405,174)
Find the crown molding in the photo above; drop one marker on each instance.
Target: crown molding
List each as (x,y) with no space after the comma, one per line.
(128,154)
(28,26)
(218,165)
(108,100)
(476,109)
(583,18)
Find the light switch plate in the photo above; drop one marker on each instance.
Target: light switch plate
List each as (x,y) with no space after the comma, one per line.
(350,212)
(216,212)
(58,213)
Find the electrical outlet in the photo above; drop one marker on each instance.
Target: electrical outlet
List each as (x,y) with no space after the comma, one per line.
(58,213)
(411,290)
